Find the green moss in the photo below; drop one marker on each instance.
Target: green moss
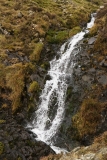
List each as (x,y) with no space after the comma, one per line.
(74,31)
(45,65)
(34,87)
(31,107)
(1,148)
(2,121)
(57,37)
(19,158)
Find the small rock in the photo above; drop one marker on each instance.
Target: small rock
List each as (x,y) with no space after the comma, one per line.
(105,64)
(45,17)
(26,59)
(20,15)
(102,79)
(24,136)
(85,78)
(6,63)
(92,70)
(102,62)
(36,35)
(101,7)
(91,40)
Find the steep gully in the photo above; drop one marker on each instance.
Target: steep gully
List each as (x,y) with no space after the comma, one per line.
(50,112)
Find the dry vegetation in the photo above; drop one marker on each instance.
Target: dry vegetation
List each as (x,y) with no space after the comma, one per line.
(88,117)
(24,28)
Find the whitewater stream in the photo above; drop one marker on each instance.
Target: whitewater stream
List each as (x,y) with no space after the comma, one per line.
(51,109)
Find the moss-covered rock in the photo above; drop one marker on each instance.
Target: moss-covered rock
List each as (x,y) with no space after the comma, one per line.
(34,87)
(2,121)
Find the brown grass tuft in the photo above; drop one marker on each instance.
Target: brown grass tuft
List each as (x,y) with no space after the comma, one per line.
(88,117)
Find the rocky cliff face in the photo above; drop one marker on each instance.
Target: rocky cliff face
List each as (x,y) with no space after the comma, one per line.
(28,32)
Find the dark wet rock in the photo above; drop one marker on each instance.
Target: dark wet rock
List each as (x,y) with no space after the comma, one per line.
(20,117)
(47,77)
(68,79)
(91,40)
(103,96)
(24,136)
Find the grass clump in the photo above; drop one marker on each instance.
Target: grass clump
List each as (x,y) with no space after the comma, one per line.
(35,56)
(15,81)
(34,87)
(102,139)
(1,148)
(88,117)
(2,75)
(12,79)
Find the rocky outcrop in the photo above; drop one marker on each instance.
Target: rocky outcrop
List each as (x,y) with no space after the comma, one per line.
(17,142)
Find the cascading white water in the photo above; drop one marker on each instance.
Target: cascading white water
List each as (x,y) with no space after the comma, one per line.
(46,124)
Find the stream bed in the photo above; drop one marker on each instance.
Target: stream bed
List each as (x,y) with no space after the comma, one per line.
(51,109)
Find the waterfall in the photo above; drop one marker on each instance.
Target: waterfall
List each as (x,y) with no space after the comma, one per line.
(50,112)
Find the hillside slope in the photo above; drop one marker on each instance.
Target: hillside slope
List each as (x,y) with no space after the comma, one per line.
(28,31)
